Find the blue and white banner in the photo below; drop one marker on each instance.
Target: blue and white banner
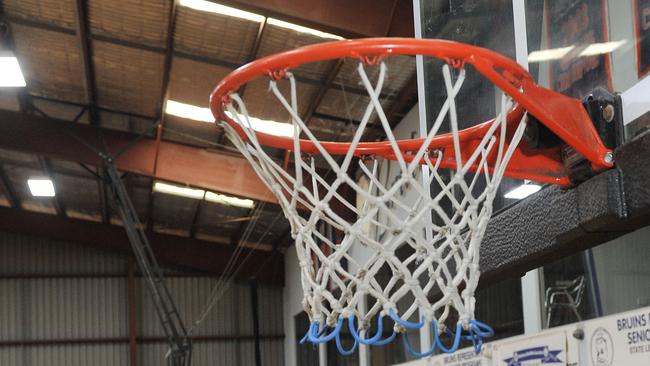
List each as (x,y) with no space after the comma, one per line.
(542,349)
(542,354)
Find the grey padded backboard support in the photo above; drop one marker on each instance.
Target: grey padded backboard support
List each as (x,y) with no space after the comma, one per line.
(558,222)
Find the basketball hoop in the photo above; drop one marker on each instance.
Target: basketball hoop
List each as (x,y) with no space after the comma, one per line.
(441,274)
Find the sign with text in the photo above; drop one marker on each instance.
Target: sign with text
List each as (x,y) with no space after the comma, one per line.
(619,340)
(464,357)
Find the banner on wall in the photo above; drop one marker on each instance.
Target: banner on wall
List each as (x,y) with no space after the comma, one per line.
(642,9)
(623,339)
(542,349)
(574,25)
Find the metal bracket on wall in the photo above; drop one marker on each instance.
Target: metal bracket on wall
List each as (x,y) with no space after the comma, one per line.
(172,324)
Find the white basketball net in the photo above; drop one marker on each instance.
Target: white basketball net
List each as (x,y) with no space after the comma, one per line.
(439,278)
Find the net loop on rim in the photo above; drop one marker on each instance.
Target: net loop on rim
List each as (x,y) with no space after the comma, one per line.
(439,273)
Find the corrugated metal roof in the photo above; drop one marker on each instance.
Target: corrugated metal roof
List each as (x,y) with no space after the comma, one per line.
(262,103)
(128,79)
(51,63)
(222,220)
(58,12)
(192,81)
(81,196)
(141,21)
(277,39)
(214,35)
(399,70)
(121,122)
(173,213)
(346,105)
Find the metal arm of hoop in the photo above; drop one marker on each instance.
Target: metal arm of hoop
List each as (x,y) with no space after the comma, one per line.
(565,116)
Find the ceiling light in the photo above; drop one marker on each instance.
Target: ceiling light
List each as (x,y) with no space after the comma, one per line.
(550,54)
(41,187)
(523,191)
(602,48)
(228,200)
(267,127)
(301,29)
(189,111)
(10,74)
(211,7)
(205,115)
(179,190)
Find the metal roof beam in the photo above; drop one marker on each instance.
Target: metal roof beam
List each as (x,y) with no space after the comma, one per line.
(339,17)
(47,169)
(10,192)
(214,170)
(83,32)
(162,105)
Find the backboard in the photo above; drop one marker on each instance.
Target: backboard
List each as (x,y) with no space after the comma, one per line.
(570,46)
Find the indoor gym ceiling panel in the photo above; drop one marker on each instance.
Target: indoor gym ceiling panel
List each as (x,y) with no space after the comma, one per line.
(213,35)
(57,12)
(190,132)
(277,39)
(51,63)
(220,220)
(349,106)
(262,103)
(192,82)
(139,21)
(173,214)
(80,195)
(128,79)
(399,70)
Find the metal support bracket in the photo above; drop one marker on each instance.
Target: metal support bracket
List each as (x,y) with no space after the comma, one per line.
(180,344)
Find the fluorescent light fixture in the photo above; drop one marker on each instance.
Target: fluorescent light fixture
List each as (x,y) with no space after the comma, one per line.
(10,74)
(189,111)
(199,194)
(179,190)
(523,191)
(41,187)
(602,48)
(228,200)
(550,54)
(205,115)
(268,127)
(211,7)
(301,29)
